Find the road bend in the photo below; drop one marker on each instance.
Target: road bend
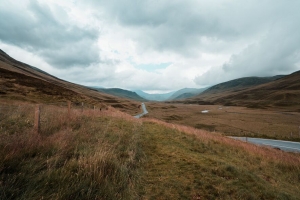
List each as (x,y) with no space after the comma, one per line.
(144,111)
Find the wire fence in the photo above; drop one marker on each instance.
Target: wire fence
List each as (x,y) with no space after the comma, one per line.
(15,117)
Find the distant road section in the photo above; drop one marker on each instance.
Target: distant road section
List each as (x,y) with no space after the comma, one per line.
(144,111)
(281,144)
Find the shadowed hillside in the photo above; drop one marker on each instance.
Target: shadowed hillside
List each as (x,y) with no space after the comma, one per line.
(22,82)
(120,93)
(240,84)
(281,92)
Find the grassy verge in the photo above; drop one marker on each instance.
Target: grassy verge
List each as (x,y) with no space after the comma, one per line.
(204,166)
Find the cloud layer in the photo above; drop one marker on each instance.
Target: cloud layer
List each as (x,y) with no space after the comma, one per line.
(128,43)
(48,32)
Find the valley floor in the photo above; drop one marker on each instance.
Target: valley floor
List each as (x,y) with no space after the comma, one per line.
(231,120)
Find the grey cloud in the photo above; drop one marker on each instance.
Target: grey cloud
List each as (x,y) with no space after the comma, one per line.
(263,34)
(167,25)
(59,41)
(276,53)
(180,26)
(80,53)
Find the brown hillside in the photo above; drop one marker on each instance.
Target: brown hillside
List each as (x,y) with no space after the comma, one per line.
(22,82)
(280,93)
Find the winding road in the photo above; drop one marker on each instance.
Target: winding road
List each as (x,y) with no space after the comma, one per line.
(144,111)
(281,144)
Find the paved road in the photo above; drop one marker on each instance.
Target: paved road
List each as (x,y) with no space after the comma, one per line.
(283,145)
(144,111)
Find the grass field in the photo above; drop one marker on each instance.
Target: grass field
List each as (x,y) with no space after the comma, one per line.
(85,155)
(110,155)
(230,120)
(204,165)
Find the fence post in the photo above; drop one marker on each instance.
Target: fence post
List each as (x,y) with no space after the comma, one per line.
(81,106)
(37,119)
(69,109)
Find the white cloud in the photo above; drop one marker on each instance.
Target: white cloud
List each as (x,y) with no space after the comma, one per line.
(188,43)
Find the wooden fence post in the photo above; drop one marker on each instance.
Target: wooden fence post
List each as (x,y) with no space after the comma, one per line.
(69,109)
(37,119)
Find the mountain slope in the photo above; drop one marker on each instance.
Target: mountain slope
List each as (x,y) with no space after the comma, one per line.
(240,84)
(22,82)
(282,92)
(120,93)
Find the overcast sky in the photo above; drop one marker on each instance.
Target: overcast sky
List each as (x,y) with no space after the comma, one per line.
(155,46)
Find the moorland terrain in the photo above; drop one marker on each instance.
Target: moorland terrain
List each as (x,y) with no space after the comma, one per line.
(278,92)
(231,120)
(175,152)
(24,83)
(120,93)
(266,107)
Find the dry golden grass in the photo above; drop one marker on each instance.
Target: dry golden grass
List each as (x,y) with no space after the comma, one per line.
(79,155)
(187,163)
(268,154)
(238,121)
(88,154)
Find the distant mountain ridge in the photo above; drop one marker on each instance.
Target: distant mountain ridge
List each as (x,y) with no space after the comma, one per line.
(277,91)
(154,97)
(120,93)
(175,95)
(186,93)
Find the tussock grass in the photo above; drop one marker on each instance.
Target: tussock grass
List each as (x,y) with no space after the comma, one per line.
(84,155)
(269,154)
(111,155)
(188,163)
